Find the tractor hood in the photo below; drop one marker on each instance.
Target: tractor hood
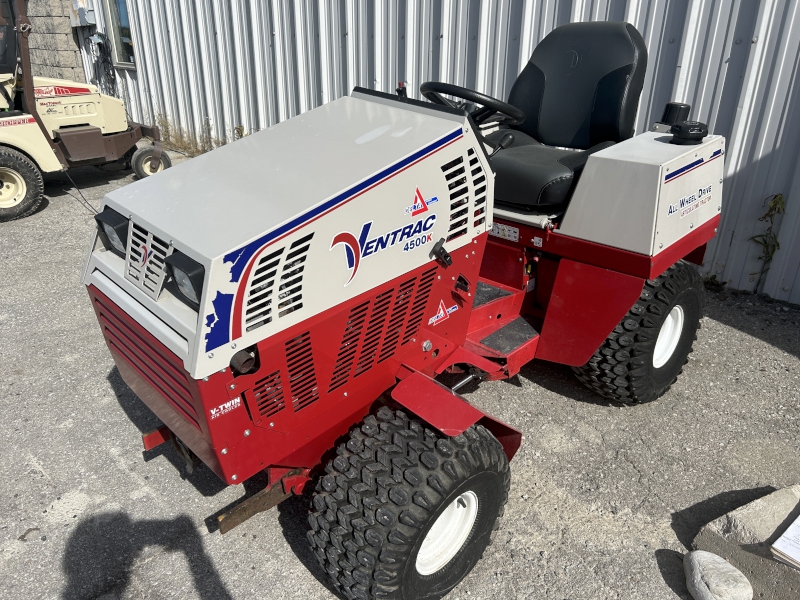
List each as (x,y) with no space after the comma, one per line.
(287,223)
(218,201)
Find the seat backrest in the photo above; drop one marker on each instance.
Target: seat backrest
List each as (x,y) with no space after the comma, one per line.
(582,84)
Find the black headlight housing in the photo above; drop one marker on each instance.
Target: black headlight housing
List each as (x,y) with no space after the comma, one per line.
(113,228)
(188,276)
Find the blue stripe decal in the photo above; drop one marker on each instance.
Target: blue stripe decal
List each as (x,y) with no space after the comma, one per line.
(242,256)
(677,172)
(716,153)
(219,321)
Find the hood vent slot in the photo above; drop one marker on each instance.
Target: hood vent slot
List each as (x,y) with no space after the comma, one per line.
(268,394)
(302,376)
(276,284)
(291,283)
(478,189)
(260,296)
(144,261)
(456,176)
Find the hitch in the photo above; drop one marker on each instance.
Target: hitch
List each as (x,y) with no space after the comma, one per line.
(291,483)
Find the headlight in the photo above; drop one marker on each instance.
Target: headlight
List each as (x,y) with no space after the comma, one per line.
(113,230)
(188,275)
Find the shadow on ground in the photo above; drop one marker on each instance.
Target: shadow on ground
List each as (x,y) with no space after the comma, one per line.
(670,563)
(687,523)
(759,318)
(102,551)
(58,186)
(202,478)
(560,380)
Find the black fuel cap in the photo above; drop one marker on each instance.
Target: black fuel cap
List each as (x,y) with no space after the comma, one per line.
(688,132)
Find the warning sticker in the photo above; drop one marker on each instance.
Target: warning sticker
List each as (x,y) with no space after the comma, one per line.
(507,232)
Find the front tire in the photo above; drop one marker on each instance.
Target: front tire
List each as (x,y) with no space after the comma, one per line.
(21,185)
(141,162)
(404,512)
(645,353)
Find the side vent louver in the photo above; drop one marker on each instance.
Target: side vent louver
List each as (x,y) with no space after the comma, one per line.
(419,304)
(456,177)
(302,377)
(478,189)
(276,284)
(144,264)
(268,394)
(349,346)
(372,336)
(399,312)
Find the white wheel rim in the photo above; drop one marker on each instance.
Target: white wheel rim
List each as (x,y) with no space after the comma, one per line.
(147,169)
(448,534)
(12,188)
(668,337)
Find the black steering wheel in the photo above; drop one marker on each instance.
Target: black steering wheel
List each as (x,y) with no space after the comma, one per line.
(433,91)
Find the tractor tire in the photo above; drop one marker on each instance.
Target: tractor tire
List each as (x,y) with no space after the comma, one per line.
(141,162)
(645,353)
(404,512)
(21,185)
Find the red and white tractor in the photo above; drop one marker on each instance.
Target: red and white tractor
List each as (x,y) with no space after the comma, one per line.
(296,323)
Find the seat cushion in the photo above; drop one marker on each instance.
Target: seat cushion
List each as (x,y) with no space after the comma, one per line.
(582,84)
(535,177)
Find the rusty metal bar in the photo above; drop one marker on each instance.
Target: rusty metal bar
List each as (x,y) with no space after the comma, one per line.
(259,502)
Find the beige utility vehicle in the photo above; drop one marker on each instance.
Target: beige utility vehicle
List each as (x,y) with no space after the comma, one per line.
(66,124)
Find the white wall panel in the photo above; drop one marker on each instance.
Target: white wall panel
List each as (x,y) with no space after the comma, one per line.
(253,63)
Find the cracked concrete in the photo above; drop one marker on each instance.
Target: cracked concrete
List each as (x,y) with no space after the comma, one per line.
(604,498)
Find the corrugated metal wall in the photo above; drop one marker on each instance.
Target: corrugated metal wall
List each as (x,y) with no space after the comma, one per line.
(252,63)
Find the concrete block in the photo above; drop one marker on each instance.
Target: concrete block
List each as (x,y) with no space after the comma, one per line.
(56,58)
(48,8)
(50,24)
(52,41)
(743,537)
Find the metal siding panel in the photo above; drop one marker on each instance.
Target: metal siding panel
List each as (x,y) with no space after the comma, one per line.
(211,68)
(263,66)
(762,155)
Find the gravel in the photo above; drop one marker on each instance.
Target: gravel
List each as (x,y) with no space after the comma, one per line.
(605,499)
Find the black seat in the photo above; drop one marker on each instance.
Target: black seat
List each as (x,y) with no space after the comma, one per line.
(579,90)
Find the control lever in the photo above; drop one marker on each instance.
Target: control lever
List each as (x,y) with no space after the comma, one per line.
(505,142)
(440,254)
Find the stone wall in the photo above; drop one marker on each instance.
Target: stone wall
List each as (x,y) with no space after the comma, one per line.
(54,44)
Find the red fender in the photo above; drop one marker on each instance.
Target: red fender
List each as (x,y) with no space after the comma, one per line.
(443,409)
(586,304)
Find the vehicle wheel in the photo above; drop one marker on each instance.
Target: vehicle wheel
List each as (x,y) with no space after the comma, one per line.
(645,353)
(141,162)
(404,512)
(22,186)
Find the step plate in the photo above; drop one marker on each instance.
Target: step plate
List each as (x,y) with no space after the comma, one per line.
(485,293)
(510,337)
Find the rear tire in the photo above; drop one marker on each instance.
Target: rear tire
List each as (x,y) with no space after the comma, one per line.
(141,162)
(645,353)
(22,186)
(384,492)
